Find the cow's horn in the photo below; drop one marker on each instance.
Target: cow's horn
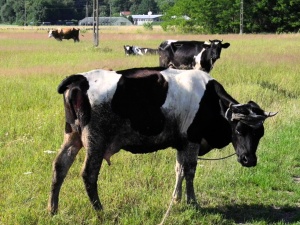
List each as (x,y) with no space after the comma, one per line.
(270,114)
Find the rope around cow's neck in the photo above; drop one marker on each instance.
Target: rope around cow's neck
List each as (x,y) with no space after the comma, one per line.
(199,158)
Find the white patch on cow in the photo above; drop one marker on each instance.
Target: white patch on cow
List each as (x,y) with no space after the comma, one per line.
(102,85)
(207,43)
(137,50)
(127,48)
(171,41)
(186,89)
(197,59)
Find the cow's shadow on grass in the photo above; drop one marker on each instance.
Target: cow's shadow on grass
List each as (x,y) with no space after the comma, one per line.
(256,212)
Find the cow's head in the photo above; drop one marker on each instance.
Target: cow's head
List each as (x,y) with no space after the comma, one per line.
(209,54)
(52,33)
(246,121)
(128,50)
(214,47)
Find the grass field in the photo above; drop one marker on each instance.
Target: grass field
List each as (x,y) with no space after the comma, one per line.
(137,189)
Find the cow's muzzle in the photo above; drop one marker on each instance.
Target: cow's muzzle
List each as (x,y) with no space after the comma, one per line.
(247,160)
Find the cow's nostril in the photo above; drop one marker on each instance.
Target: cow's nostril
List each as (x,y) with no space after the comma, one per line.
(244,159)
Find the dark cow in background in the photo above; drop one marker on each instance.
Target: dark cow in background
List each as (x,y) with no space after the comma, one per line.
(190,54)
(135,50)
(65,33)
(143,110)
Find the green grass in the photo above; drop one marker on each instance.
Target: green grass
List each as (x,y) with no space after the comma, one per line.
(137,189)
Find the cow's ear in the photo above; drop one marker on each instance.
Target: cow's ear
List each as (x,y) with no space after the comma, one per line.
(225,45)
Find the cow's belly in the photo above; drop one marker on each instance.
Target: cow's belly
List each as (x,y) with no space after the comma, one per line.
(138,143)
(117,133)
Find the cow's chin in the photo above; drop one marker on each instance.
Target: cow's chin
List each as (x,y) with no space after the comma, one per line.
(247,161)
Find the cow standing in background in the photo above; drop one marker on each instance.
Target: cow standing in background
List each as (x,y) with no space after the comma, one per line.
(190,54)
(143,110)
(65,33)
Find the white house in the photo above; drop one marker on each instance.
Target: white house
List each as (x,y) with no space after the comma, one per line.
(141,19)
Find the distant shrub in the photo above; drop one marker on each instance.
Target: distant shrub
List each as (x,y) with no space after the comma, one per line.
(148,26)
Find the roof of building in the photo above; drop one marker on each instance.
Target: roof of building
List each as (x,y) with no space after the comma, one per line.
(105,20)
(145,16)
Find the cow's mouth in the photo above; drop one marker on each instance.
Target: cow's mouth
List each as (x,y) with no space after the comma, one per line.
(247,160)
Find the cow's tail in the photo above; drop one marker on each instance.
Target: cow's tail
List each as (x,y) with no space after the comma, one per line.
(63,86)
(77,105)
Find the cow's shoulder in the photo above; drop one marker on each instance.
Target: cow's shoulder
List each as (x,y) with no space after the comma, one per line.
(209,122)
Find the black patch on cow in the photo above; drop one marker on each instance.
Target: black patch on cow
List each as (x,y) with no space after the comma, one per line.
(139,97)
(209,122)
(77,105)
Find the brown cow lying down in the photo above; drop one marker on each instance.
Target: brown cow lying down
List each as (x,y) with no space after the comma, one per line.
(65,33)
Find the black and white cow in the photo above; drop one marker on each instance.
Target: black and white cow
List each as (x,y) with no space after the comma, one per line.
(143,110)
(190,54)
(132,50)
(135,50)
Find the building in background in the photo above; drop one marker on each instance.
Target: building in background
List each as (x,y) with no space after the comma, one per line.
(141,19)
(105,21)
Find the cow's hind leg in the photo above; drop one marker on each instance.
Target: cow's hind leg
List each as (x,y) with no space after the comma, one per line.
(61,165)
(93,161)
(186,164)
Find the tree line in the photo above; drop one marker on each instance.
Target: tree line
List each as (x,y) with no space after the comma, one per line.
(187,16)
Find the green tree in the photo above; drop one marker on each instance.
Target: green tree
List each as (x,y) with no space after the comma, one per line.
(8,14)
(164,5)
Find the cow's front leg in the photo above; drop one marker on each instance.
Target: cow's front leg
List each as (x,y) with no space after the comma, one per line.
(61,165)
(190,166)
(93,161)
(186,164)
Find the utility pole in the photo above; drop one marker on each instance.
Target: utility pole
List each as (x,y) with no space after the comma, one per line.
(86,10)
(241,17)
(25,13)
(96,22)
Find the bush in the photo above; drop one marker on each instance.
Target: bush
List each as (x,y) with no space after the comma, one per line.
(148,26)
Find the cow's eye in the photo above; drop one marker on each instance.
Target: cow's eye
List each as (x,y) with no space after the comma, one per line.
(239,130)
